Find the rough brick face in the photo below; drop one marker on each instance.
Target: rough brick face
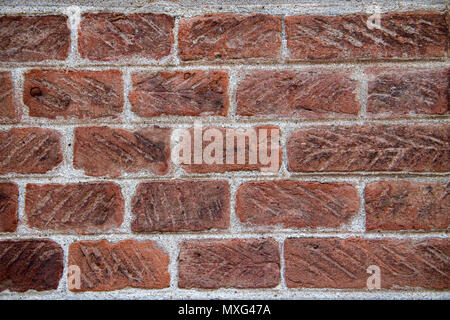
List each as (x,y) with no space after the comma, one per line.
(343,263)
(403,35)
(30,265)
(108,266)
(114,36)
(182,93)
(73,94)
(7,110)
(236,263)
(407,205)
(78,207)
(296,204)
(228,36)
(33,38)
(103,151)
(181,206)
(413,147)
(9,194)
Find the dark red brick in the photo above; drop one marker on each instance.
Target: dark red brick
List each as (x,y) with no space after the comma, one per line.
(9,194)
(7,109)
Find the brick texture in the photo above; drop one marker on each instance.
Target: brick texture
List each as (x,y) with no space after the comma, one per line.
(7,109)
(9,194)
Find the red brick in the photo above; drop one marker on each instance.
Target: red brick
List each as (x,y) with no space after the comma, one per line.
(103,151)
(412,147)
(181,206)
(9,194)
(29,150)
(108,266)
(421,34)
(182,93)
(73,94)
(407,205)
(30,265)
(235,263)
(34,38)
(7,110)
(78,207)
(309,94)
(295,204)
(228,36)
(114,36)
(343,263)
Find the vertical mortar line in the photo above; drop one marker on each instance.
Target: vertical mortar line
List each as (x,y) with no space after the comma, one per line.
(362,211)
(128,115)
(362,90)
(74,15)
(233,78)
(173,244)
(22,221)
(281,239)
(284,131)
(284,49)
(17,77)
(175,58)
(235,226)
(128,189)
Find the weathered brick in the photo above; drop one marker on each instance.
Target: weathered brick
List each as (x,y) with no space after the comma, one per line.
(310,94)
(7,109)
(343,263)
(114,36)
(228,36)
(73,94)
(420,34)
(235,263)
(78,207)
(296,204)
(108,266)
(412,147)
(181,206)
(182,93)
(30,265)
(9,194)
(34,38)
(406,205)
(103,151)
(29,150)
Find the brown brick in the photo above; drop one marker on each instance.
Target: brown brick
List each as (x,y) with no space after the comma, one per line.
(182,93)
(295,204)
(77,94)
(103,151)
(29,150)
(407,205)
(30,265)
(181,206)
(235,263)
(114,36)
(34,38)
(343,263)
(421,34)
(9,194)
(228,36)
(7,109)
(78,207)
(108,266)
(412,147)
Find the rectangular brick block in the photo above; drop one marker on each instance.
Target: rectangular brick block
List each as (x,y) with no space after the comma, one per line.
(295,204)
(343,263)
(7,109)
(407,205)
(412,147)
(229,36)
(108,266)
(9,194)
(78,207)
(34,38)
(181,206)
(73,94)
(235,263)
(402,35)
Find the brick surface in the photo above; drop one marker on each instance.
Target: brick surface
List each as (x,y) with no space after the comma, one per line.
(30,265)
(182,93)
(29,150)
(78,207)
(407,205)
(402,35)
(236,263)
(114,36)
(73,94)
(296,204)
(108,266)
(7,109)
(34,38)
(413,147)
(181,206)
(9,194)
(343,263)
(228,36)
(103,151)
